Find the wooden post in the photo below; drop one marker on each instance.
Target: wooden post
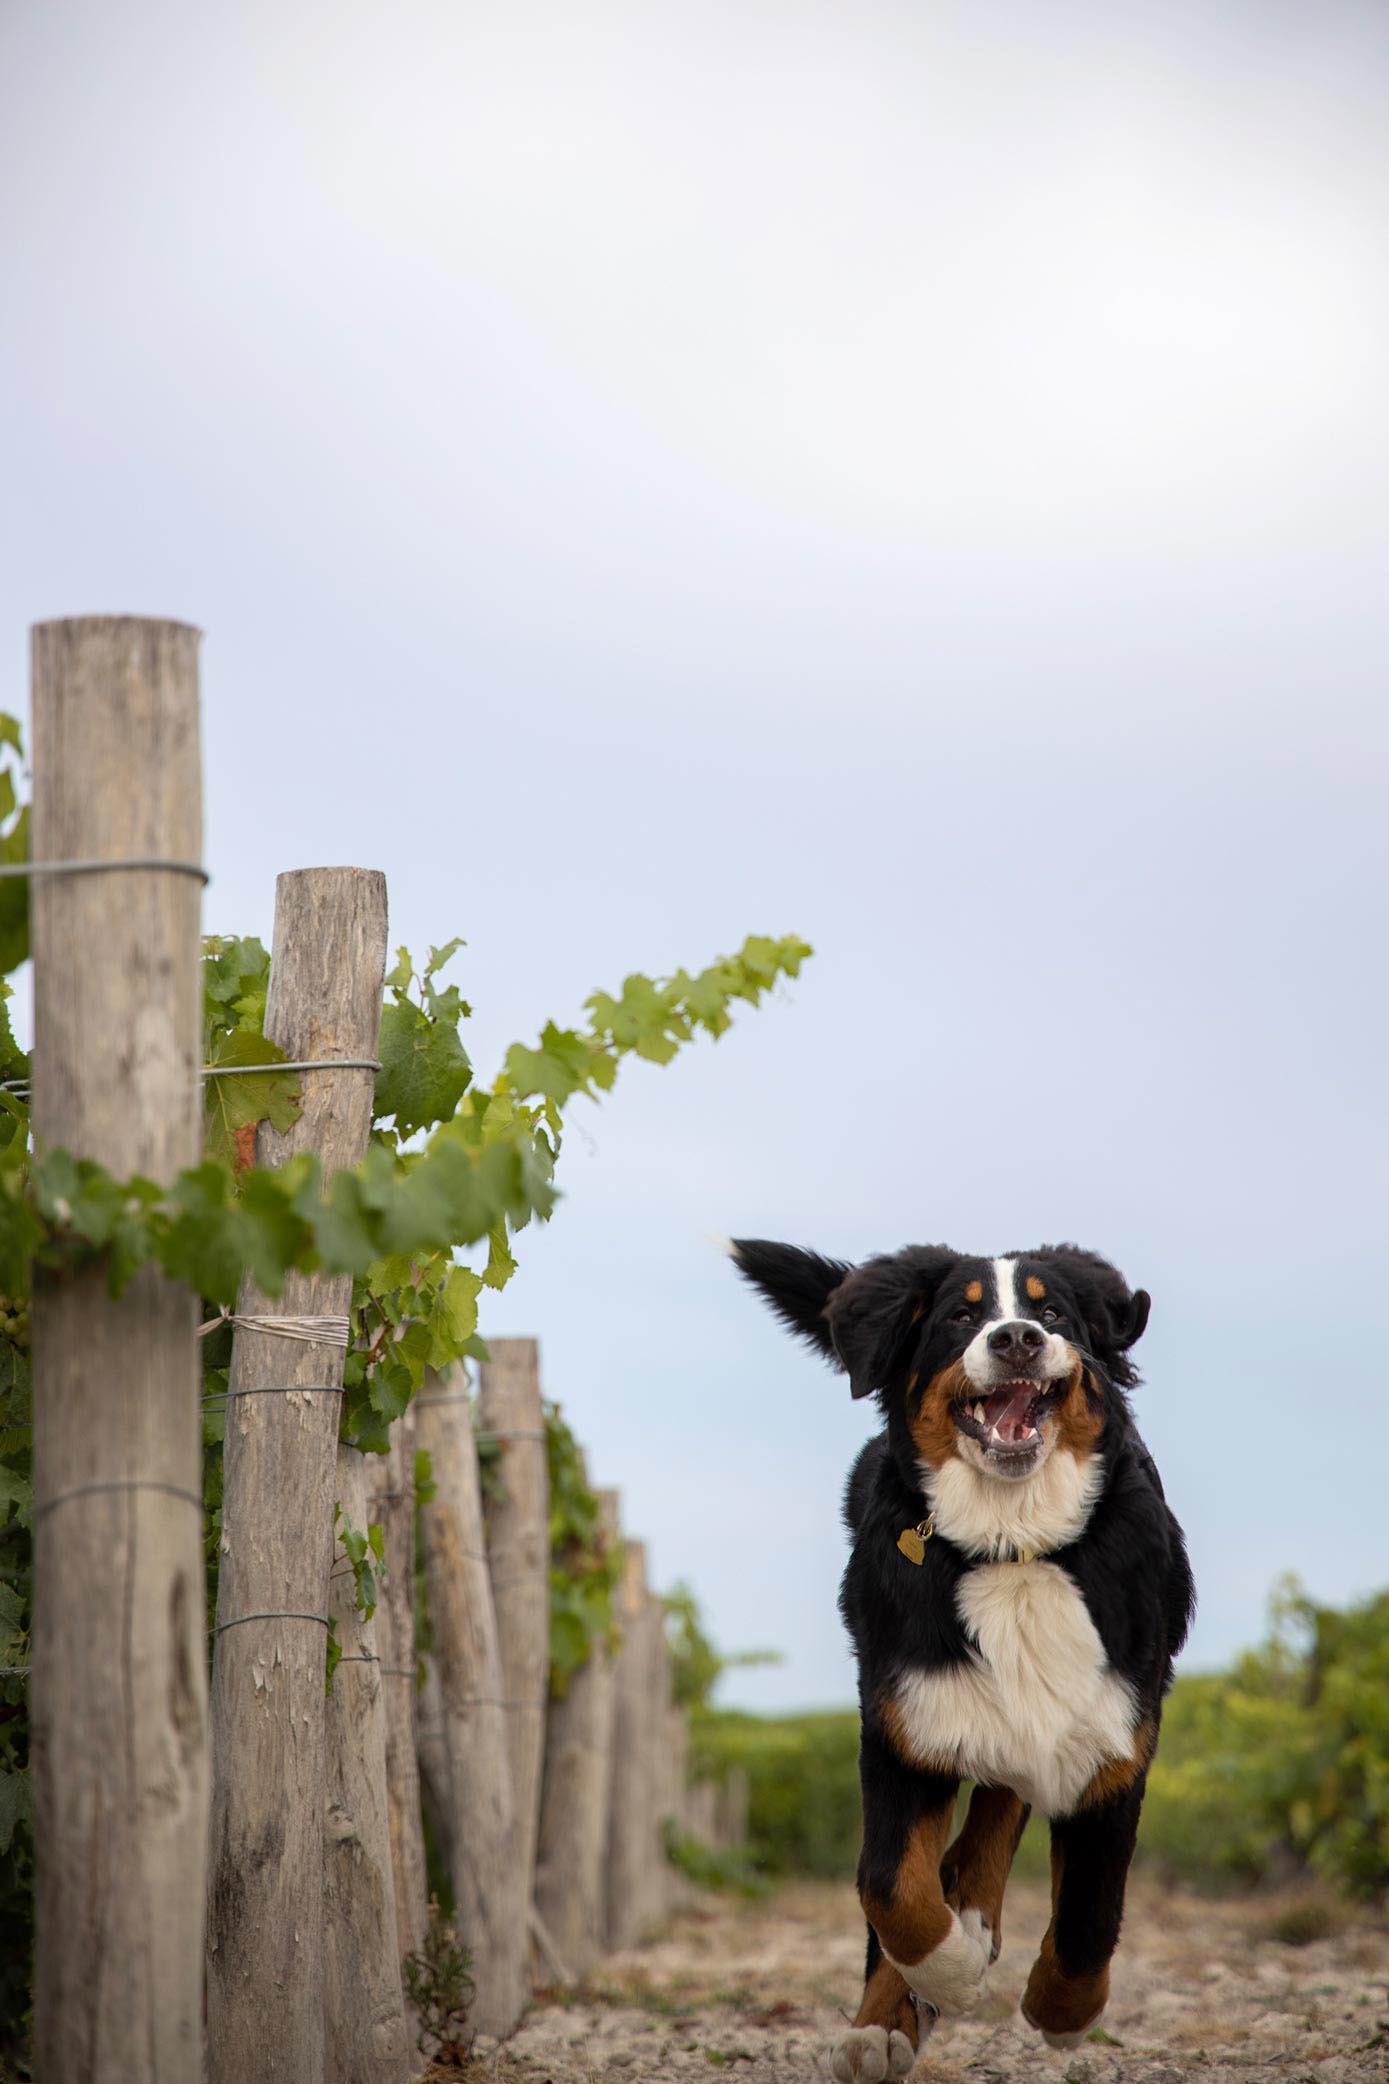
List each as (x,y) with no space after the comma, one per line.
(119,1696)
(632,1808)
(432,1753)
(676,1752)
(391,1506)
(573,1836)
(517,1511)
(657,1872)
(265,1907)
(363,2009)
(490,1895)
(733,1798)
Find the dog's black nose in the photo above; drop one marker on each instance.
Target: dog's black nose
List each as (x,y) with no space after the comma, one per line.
(1017,1340)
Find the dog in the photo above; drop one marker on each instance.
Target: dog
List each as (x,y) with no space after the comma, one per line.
(1016,1592)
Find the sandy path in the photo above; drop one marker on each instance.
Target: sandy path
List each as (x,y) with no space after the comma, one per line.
(1201,1991)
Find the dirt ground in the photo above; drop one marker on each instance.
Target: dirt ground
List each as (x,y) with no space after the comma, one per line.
(1202,1990)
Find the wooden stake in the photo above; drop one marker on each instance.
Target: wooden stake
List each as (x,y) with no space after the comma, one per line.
(265,1910)
(363,2008)
(432,1753)
(490,1896)
(517,1509)
(391,1505)
(631,1821)
(573,1838)
(119,1697)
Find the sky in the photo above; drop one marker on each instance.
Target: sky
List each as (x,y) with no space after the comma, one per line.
(909,475)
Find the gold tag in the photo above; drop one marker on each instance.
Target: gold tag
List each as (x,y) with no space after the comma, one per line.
(912,1541)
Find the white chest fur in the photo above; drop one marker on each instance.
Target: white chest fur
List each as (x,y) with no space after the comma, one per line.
(1036,1708)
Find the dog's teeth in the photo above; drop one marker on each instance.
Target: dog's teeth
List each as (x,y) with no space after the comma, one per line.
(979,1414)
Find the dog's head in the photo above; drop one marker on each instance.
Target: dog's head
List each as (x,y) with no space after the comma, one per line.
(994,1361)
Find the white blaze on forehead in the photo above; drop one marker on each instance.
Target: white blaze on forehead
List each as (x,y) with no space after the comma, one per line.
(1006,1288)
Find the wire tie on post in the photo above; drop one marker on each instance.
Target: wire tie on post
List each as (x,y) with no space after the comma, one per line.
(359,1657)
(89,868)
(324,1063)
(315,1063)
(314,1331)
(277,1389)
(241,1619)
(123,1483)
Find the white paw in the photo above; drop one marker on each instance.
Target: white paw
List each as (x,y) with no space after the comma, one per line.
(1073,2040)
(1066,2041)
(951,1976)
(869,2054)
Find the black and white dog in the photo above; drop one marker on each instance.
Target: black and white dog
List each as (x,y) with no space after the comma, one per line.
(1016,1593)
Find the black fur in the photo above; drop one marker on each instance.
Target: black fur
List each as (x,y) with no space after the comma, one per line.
(893,1325)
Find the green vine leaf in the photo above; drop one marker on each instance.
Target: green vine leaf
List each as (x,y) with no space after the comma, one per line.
(14,846)
(232,1106)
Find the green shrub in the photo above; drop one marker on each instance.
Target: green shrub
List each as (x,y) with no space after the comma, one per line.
(1282,1764)
(803,1799)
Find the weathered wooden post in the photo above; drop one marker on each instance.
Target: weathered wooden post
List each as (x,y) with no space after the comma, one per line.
(265,1904)
(657,1872)
(671,1809)
(432,1753)
(363,2008)
(490,1892)
(517,1512)
(573,1835)
(631,1825)
(391,1506)
(119,1697)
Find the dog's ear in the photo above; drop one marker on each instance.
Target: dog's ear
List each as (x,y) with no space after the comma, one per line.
(874,1314)
(797,1284)
(1116,1316)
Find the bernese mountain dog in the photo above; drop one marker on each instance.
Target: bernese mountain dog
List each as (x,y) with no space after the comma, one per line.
(1016,1592)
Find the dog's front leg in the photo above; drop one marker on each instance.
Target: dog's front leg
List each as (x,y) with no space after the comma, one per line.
(1090,1854)
(940,1953)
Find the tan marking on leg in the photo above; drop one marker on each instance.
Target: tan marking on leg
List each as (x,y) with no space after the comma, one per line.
(1121,1773)
(917,1916)
(976,1866)
(1036,1289)
(1054,2002)
(887,2002)
(932,1427)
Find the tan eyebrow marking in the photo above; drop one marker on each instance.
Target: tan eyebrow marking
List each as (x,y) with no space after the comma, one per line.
(975,1292)
(1035,1288)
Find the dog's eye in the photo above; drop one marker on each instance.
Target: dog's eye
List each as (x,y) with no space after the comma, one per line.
(1051,1316)
(963,1317)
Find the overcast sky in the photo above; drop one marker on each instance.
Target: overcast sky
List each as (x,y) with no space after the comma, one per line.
(913,475)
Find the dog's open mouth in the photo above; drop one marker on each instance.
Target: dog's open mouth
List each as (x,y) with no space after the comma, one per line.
(1007,1421)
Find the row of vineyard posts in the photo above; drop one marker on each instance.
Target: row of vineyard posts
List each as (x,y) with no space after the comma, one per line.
(237,1876)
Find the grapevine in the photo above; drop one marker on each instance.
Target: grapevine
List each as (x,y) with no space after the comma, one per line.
(453,1167)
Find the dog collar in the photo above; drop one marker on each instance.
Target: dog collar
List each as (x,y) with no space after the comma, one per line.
(912,1544)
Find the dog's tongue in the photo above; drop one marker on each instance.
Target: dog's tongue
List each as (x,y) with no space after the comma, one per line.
(1007,1411)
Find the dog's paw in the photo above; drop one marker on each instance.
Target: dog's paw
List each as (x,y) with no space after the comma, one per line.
(951,1976)
(1063,2041)
(1064,2011)
(869,2055)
